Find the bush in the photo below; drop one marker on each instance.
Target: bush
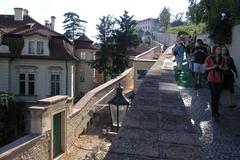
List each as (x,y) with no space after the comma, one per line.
(191,29)
(12,119)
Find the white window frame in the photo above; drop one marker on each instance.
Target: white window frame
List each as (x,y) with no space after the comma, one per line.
(27,81)
(55,84)
(31,48)
(40,47)
(82,55)
(55,70)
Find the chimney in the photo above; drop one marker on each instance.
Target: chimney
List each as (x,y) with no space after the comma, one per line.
(47,24)
(53,18)
(18,14)
(25,12)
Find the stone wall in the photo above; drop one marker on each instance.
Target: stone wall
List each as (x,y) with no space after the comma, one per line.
(84,109)
(38,145)
(30,147)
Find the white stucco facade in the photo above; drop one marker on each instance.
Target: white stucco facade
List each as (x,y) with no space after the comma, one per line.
(42,71)
(85,73)
(148,25)
(10,70)
(234,49)
(4,74)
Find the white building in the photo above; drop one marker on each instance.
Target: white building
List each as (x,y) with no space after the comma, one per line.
(148,25)
(36,62)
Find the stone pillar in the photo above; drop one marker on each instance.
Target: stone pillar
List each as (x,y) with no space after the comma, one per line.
(36,119)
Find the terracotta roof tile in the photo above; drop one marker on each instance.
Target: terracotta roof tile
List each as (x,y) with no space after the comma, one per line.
(60,47)
(83,38)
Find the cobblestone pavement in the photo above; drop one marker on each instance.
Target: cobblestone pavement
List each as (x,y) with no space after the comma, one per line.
(220,137)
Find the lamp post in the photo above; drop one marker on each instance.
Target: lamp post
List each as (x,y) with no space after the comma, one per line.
(118,107)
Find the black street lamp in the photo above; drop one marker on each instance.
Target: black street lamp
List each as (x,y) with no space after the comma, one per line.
(118,107)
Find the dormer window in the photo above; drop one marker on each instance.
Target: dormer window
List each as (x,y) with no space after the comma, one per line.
(35,47)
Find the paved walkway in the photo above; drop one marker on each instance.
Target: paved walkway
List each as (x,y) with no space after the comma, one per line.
(157,125)
(220,137)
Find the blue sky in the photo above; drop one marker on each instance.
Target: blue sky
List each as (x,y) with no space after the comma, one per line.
(91,10)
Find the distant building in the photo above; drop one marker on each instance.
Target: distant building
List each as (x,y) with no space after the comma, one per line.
(36,62)
(149,30)
(148,25)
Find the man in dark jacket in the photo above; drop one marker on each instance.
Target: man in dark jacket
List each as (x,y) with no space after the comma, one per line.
(200,53)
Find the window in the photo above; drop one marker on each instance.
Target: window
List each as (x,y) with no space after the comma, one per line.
(82,75)
(55,84)
(31,47)
(31,80)
(35,47)
(89,56)
(27,84)
(39,47)
(141,74)
(22,84)
(82,55)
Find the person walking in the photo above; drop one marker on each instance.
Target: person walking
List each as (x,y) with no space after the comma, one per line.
(178,51)
(188,50)
(215,65)
(228,83)
(200,53)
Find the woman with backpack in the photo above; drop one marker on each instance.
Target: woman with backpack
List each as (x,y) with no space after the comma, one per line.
(228,83)
(215,65)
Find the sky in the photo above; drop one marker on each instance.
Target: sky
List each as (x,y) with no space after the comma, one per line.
(91,10)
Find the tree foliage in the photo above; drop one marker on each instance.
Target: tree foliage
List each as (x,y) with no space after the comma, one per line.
(126,39)
(219,15)
(164,18)
(178,20)
(12,119)
(117,38)
(103,60)
(73,25)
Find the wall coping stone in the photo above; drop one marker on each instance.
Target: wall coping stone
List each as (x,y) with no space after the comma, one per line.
(144,53)
(52,100)
(89,95)
(145,60)
(17,144)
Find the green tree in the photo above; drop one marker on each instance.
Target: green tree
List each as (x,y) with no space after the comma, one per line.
(164,18)
(103,62)
(73,25)
(219,16)
(125,40)
(178,20)
(197,12)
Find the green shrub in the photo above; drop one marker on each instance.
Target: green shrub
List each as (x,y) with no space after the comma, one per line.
(12,119)
(190,29)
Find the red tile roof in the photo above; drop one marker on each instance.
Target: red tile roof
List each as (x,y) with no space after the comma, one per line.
(83,42)
(60,47)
